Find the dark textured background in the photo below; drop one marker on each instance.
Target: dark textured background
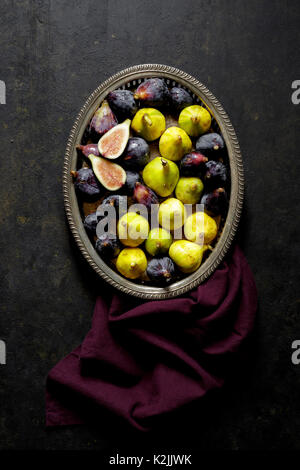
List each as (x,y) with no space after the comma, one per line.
(53,54)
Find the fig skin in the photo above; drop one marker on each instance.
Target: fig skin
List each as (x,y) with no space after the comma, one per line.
(161,175)
(189,189)
(136,155)
(132,262)
(132,177)
(180,99)
(193,164)
(216,202)
(149,123)
(195,120)
(144,195)
(103,120)
(122,103)
(216,175)
(158,242)
(153,93)
(115,200)
(86,183)
(88,148)
(90,223)
(161,270)
(108,248)
(211,145)
(174,143)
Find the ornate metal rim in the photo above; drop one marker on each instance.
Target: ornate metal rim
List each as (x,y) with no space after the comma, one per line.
(237,182)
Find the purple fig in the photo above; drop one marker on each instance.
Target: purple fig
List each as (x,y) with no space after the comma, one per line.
(144,195)
(193,163)
(103,119)
(216,202)
(88,148)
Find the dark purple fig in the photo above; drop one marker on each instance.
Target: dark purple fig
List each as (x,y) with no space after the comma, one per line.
(103,120)
(161,270)
(215,174)
(211,145)
(108,248)
(193,164)
(153,93)
(86,182)
(136,155)
(117,201)
(216,202)
(122,103)
(90,223)
(88,149)
(132,177)
(144,195)
(180,99)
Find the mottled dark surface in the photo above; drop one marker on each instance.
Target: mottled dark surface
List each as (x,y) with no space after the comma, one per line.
(53,54)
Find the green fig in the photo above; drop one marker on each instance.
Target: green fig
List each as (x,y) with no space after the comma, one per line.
(195,120)
(158,242)
(161,175)
(189,190)
(174,143)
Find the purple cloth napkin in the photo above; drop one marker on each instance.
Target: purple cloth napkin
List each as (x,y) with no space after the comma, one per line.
(144,359)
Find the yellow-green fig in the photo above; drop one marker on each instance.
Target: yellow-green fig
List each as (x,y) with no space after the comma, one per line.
(189,190)
(133,229)
(171,214)
(195,120)
(201,228)
(149,123)
(158,242)
(161,175)
(131,262)
(187,255)
(174,143)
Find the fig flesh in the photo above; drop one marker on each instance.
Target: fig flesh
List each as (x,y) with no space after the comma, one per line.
(113,143)
(161,270)
(86,182)
(153,93)
(110,175)
(103,119)
(136,155)
(122,103)
(193,164)
(211,145)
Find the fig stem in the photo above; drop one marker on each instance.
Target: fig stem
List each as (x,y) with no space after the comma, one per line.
(73,173)
(216,147)
(147,120)
(136,96)
(164,163)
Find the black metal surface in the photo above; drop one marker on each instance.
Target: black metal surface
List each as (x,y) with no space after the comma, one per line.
(53,54)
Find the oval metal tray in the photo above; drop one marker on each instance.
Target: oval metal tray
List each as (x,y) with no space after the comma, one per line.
(126,78)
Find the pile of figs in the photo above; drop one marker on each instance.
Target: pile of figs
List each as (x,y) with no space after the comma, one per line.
(160,147)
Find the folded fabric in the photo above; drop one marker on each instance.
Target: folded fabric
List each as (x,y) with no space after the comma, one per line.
(145,359)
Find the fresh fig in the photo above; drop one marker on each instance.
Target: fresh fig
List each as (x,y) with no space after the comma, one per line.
(149,123)
(189,189)
(103,119)
(211,145)
(158,242)
(161,270)
(86,182)
(193,164)
(161,175)
(144,195)
(115,200)
(153,93)
(131,262)
(194,120)
(107,247)
(216,202)
(113,143)
(215,175)
(110,175)
(132,178)
(90,223)
(89,148)
(180,99)
(122,103)
(136,155)
(174,143)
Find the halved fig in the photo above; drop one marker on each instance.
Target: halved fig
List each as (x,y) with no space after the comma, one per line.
(113,143)
(103,119)
(110,175)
